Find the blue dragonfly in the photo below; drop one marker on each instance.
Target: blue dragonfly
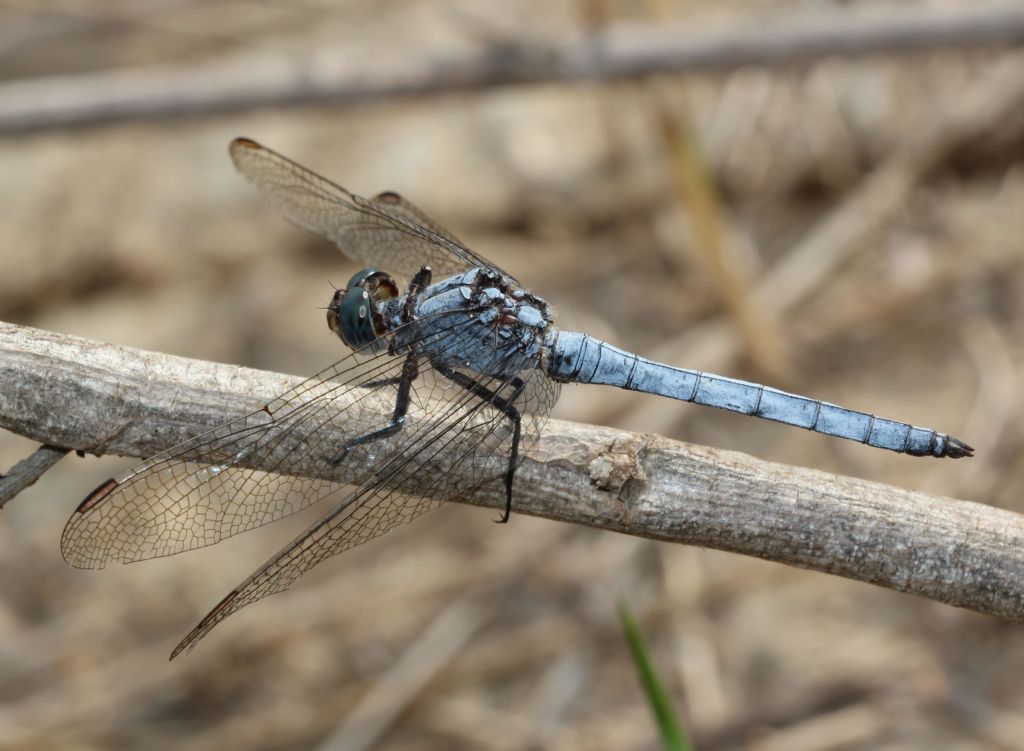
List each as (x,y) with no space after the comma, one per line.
(449,379)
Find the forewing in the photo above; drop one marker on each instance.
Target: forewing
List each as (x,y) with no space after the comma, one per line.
(465,442)
(387,232)
(208,488)
(398,204)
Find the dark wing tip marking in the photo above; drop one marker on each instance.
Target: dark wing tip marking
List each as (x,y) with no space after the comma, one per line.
(209,620)
(68,549)
(244,143)
(240,145)
(388,196)
(91,500)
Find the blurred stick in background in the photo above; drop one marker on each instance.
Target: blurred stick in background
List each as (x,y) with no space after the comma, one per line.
(276,79)
(102,398)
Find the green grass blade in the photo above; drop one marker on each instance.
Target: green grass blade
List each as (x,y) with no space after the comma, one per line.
(672,735)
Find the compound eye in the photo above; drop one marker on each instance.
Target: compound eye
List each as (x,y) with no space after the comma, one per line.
(379,284)
(355,314)
(358,277)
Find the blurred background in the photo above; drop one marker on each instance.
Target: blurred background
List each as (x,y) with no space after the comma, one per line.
(747,201)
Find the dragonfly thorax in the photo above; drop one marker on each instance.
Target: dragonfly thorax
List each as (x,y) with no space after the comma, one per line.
(354,313)
(477,321)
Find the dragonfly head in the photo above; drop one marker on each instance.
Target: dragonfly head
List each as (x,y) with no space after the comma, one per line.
(354,313)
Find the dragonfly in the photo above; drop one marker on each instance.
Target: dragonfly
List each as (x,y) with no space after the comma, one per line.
(449,380)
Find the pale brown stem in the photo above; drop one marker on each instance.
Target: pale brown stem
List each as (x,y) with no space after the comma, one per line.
(97,397)
(262,79)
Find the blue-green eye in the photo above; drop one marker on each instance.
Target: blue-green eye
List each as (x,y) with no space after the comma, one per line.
(355,319)
(354,314)
(358,278)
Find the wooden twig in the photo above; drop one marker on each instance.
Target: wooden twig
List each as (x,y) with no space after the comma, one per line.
(258,80)
(28,470)
(104,398)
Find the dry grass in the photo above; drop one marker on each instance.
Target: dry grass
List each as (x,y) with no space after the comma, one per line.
(143,235)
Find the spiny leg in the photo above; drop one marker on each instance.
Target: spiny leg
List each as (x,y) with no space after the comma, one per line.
(505,406)
(419,282)
(410,369)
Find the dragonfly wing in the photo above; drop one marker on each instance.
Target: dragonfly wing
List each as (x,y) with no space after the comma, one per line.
(535,404)
(361,517)
(398,204)
(469,444)
(386,232)
(239,476)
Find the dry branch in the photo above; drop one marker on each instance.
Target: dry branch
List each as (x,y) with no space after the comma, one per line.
(95,397)
(259,80)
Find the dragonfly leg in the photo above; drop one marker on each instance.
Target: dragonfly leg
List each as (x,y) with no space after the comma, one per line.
(506,407)
(419,282)
(404,381)
(410,370)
